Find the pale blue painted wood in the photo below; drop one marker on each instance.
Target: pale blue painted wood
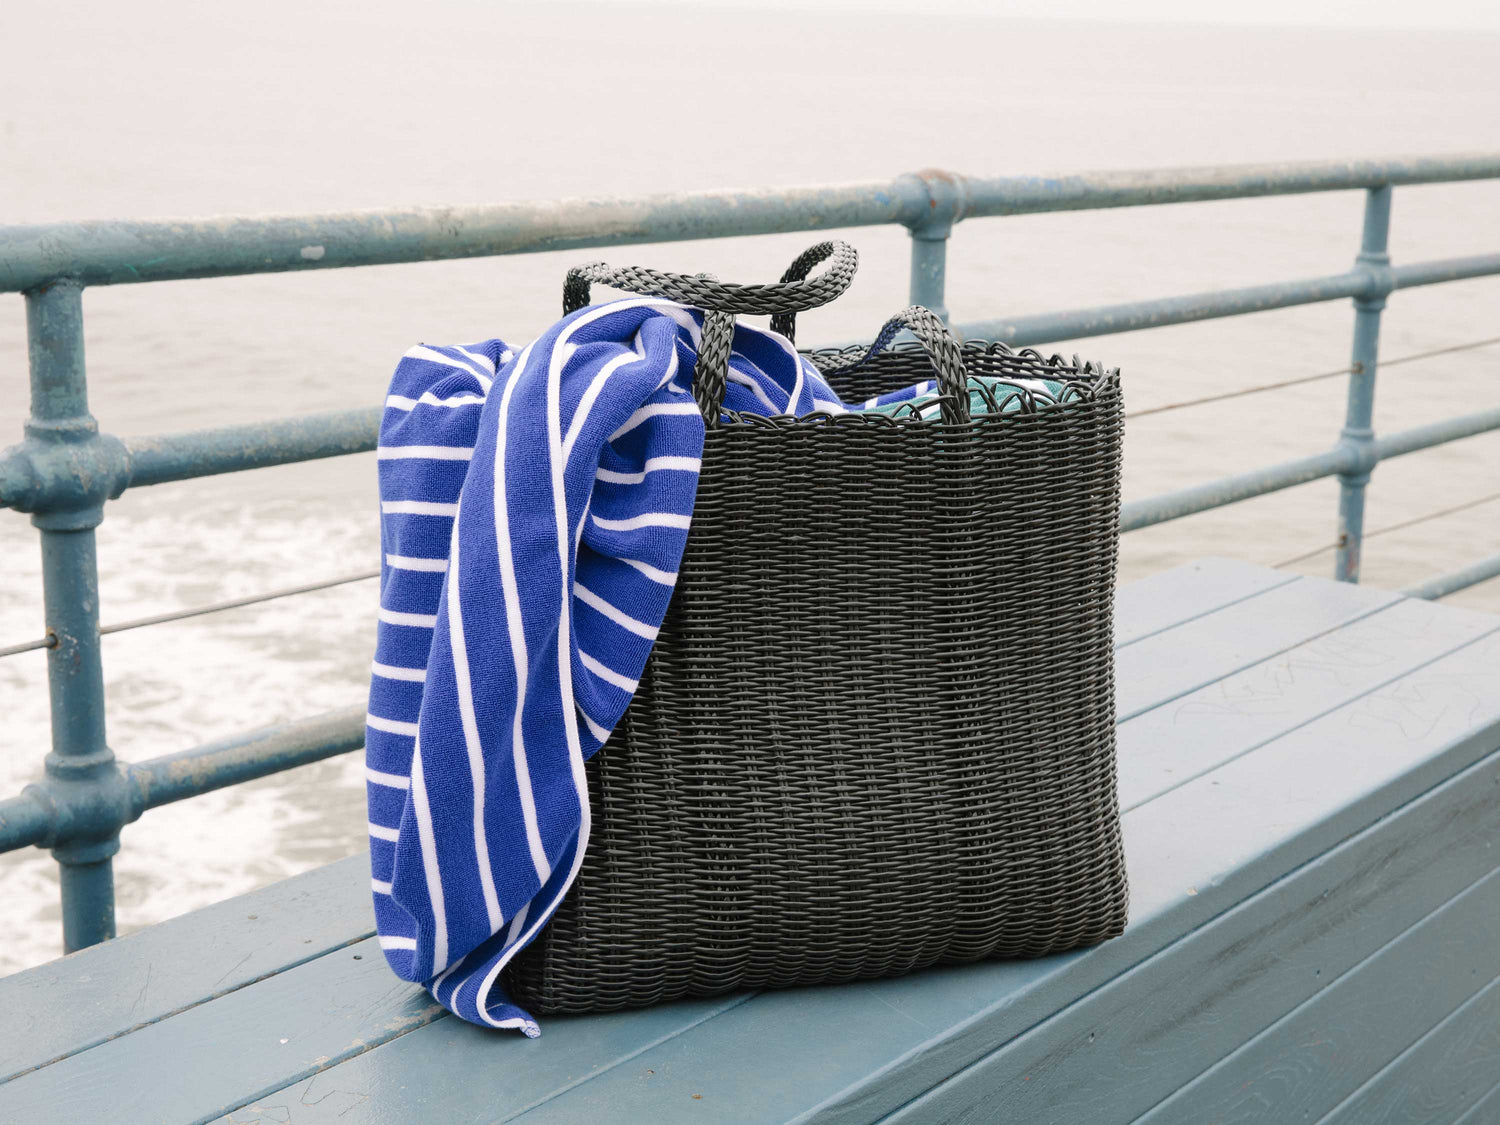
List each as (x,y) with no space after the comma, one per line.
(1196,852)
(1199,731)
(1322,1051)
(1210,647)
(225,1052)
(571,1052)
(1124,1047)
(217,1070)
(75,1002)
(1133,663)
(1193,853)
(1438,1077)
(1264,949)
(1170,597)
(1486,1111)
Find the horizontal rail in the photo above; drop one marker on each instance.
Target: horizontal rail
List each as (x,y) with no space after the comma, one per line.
(1436,433)
(1453,581)
(1132,316)
(259,753)
(51,641)
(1391,528)
(24,820)
(1304,380)
(115,252)
(67,469)
(199,453)
(256,445)
(1446,269)
(45,812)
(1259,482)
(1229,490)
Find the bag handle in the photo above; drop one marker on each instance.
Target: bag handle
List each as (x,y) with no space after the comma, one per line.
(721,302)
(786,322)
(942,349)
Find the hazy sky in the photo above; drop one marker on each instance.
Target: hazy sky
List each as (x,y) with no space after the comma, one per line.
(1472,14)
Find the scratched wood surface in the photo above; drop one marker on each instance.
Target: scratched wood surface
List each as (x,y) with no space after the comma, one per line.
(1486,1111)
(1347,1032)
(76,1002)
(1155,1027)
(1193,853)
(1441,1074)
(1310,775)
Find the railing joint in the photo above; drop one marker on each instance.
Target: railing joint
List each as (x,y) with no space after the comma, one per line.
(85,802)
(63,472)
(1357,446)
(1379,281)
(942,202)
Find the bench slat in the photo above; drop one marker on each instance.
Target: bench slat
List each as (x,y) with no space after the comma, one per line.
(242,1044)
(537,1070)
(324,910)
(1208,648)
(1301,621)
(1199,731)
(1170,597)
(1486,1111)
(1329,1046)
(1122,1049)
(1441,1075)
(1272,652)
(68,1005)
(1193,854)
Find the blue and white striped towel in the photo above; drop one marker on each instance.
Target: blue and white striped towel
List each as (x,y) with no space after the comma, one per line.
(534,509)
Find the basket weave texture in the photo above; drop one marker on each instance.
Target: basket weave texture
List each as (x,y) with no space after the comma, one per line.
(877,730)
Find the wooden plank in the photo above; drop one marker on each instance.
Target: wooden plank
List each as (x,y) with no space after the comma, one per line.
(372,1030)
(1193,853)
(1312,1058)
(1439,1076)
(378,1030)
(571,1052)
(1214,840)
(240,1049)
(1200,731)
(1123,1048)
(1170,597)
(1486,1111)
(227,1051)
(1196,653)
(892,1086)
(1262,958)
(213,951)
(1130,662)
(67,1005)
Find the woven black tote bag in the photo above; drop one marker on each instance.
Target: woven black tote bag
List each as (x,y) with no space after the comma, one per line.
(877,730)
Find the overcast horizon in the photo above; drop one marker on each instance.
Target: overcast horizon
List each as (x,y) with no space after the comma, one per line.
(1312,15)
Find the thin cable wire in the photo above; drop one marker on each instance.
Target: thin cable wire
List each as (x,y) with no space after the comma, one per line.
(1396,527)
(1397,361)
(199,611)
(28,646)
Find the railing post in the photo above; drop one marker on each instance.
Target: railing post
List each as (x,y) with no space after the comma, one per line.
(938,199)
(929,267)
(80,763)
(1358,432)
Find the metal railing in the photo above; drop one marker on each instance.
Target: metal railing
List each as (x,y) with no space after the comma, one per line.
(66,469)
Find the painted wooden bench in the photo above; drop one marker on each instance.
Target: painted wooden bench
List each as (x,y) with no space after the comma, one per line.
(1310,774)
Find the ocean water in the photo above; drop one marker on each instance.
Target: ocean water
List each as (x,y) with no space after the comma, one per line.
(286,106)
